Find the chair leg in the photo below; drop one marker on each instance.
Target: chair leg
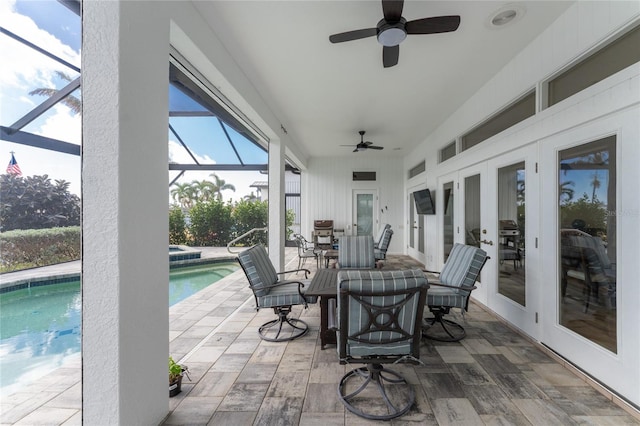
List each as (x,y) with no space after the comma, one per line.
(397,394)
(296,327)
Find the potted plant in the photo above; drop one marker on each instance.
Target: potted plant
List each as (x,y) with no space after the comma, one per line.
(176,371)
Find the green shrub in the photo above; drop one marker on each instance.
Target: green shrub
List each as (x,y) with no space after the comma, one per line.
(39,247)
(177,226)
(249,215)
(211,223)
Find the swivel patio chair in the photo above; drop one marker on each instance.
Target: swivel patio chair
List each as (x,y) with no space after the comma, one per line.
(270,292)
(378,238)
(380,252)
(306,250)
(356,252)
(452,290)
(379,314)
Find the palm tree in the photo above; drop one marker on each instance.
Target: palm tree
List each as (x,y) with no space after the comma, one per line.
(203,189)
(596,184)
(565,191)
(251,197)
(220,185)
(74,103)
(183,193)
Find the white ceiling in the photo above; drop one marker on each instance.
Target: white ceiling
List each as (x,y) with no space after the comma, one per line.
(324,93)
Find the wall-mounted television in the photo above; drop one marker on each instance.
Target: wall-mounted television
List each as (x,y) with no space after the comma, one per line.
(424,202)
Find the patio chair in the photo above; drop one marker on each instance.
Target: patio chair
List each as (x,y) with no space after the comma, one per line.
(356,252)
(452,290)
(270,292)
(584,258)
(378,238)
(379,314)
(306,250)
(380,253)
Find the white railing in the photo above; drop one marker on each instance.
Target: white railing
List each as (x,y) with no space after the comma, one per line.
(235,240)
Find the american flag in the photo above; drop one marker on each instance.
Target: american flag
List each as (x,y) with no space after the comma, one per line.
(13,168)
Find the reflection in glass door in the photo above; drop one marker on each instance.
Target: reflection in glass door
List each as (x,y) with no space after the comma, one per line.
(587,191)
(447,223)
(511,232)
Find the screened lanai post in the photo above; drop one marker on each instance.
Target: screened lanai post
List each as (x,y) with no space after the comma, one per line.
(276,203)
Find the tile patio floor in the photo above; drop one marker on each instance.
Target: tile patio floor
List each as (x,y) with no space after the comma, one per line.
(493,377)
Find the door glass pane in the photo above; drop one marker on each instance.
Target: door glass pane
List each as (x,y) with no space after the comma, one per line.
(472,210)
(511,229)
(587,191)
(447,192)
(412,219)
(364,214)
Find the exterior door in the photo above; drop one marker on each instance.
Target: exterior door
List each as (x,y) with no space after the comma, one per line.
(473,217)
(364,212)
(415,229)
(591,313)
(511,238)
(446,203)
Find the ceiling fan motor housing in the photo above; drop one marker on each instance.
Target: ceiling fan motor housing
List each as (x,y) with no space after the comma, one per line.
(391,34)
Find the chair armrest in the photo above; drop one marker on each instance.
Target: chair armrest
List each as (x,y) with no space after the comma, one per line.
(431,272)
(306,272)
(461,287)
(283,282)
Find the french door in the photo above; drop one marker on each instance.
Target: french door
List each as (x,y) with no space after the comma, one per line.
(365,209)
(415,229)
(511,238)
(591,250)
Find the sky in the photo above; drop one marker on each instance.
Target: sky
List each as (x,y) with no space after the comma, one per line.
(56,29)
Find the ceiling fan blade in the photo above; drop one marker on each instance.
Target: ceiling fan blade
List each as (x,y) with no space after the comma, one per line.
(356,150)
(392,10)
(438,24)
(390,56)
(353,35)
(375,147)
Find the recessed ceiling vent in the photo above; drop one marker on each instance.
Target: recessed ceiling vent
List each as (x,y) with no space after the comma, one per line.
(360,176)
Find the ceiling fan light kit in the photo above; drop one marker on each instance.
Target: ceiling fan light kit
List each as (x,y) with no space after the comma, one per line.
(392,29)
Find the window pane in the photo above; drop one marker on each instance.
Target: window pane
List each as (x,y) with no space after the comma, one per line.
(587,191)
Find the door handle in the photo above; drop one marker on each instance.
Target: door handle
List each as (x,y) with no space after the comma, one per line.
(487,242)
(415,227)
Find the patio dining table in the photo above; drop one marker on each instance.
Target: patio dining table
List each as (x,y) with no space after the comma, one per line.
(324,285)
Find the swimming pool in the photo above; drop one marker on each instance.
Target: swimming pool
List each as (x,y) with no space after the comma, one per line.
(40,326)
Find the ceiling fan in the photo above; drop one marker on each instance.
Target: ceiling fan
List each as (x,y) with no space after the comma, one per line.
(363,146)
(393,29)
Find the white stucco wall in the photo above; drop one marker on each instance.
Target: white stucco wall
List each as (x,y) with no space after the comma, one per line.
(125,213)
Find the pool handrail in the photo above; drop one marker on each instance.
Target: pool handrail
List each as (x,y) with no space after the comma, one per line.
(230,243)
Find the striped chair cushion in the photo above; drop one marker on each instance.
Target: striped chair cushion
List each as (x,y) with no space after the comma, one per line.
(258,268)
(285,295)
(463,266)
(356,252)
(443,296)
(357,318)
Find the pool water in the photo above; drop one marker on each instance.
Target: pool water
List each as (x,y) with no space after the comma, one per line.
(40,327)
